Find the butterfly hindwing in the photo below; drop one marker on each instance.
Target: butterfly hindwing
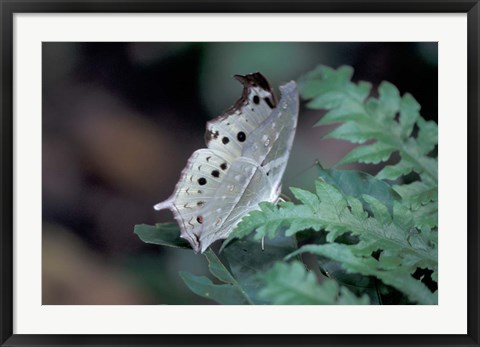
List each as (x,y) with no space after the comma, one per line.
(198,183)
(242,188)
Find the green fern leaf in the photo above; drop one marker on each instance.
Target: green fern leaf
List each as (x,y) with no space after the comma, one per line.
(336,213)
(369,154)
(293,284)
(357,184)
(380,211)
(270,218)
(386,269)
(427,136)
(409,114)
(392,172)
(416,193)
(368,118)
(426,216)
(403,236)
(354,132)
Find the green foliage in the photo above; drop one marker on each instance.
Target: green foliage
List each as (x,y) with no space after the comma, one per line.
(248,262)
(367,118)
(402,247)
(165,234)
(243,279)
(388,268)
(229,293)
(239,274)
(292,284)
(356,184)
(370,235)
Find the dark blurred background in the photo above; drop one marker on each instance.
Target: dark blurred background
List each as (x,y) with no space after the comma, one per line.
(119,123)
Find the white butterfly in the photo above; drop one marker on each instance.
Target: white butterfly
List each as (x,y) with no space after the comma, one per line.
(248,149)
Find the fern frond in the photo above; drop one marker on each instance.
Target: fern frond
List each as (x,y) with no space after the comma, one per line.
(387,268)
(403,237)
(389,120)
(417,193)
(287,284)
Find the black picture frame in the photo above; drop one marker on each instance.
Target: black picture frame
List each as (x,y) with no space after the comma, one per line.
(9,8)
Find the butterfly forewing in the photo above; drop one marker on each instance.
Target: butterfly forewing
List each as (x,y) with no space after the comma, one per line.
(256,175)
(270,144)
(230,131)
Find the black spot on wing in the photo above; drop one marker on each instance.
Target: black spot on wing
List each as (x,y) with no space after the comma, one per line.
(241,136)
(253,80)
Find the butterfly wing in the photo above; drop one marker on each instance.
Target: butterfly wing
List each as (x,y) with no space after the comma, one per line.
(255,176)
(198,183)
(242,188)
(270,144)
(206,168)
(230,131)
(240,168)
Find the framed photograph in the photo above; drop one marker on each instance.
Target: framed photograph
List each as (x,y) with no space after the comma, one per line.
(233,173)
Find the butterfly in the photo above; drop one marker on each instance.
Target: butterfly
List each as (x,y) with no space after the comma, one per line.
(247,152)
